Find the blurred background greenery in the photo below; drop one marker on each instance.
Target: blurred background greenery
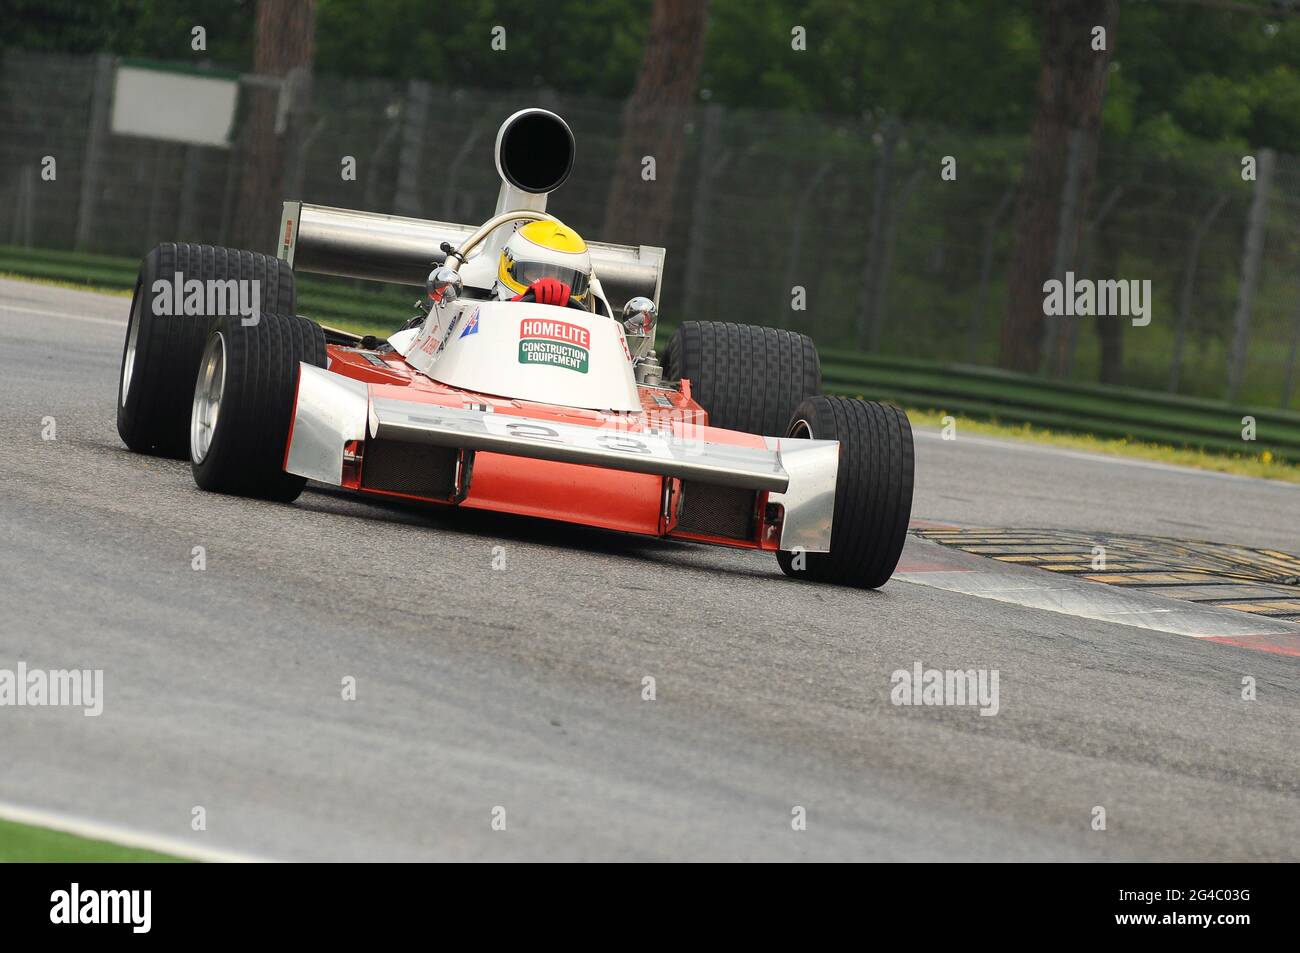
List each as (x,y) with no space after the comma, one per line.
(816,168)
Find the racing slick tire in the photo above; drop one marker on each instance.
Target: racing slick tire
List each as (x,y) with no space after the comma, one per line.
(873,490)
(243,401)
(161,353)
(747,378)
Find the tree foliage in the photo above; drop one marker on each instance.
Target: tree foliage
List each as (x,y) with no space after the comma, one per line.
(1182,72)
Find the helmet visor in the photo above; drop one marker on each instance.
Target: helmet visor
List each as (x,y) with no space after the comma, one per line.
(526,272)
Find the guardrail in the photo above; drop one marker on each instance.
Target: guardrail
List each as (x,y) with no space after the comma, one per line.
(980,392)
(1063,405)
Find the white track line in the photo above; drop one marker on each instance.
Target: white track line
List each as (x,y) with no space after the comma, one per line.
(64,315)
(1083,598)
(126,837)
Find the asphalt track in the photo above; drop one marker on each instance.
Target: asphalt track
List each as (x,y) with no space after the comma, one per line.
(522,688)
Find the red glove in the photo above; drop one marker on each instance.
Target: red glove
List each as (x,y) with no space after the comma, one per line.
(548,291)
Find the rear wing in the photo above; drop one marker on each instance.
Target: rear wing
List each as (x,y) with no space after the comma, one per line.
(390,248)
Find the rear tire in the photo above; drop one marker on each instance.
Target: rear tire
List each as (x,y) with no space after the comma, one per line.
(243,401)
(747,378)
(161,354)
(873,490)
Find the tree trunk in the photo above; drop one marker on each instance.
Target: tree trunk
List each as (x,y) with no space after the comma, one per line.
(283,47)
(639,210)
(1110,328)
(1071,88)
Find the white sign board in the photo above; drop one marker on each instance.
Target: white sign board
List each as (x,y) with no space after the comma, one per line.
(176,106)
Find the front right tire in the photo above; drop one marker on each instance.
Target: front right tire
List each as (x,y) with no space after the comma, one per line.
(873,490)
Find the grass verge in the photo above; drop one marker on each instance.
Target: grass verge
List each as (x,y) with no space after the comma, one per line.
(22,843)
(72,285)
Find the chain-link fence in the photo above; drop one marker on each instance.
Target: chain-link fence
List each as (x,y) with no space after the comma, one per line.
(849,217)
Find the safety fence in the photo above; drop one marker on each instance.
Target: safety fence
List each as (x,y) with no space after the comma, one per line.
(838,226)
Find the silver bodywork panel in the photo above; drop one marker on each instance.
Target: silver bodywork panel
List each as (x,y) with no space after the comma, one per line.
(799,474)
(331,410)
(809,498)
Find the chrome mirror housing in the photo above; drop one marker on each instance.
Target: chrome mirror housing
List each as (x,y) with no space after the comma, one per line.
(444,285)
(640,316)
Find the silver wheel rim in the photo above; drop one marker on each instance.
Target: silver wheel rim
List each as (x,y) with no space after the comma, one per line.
(132,340)
(208,389)
(801,429)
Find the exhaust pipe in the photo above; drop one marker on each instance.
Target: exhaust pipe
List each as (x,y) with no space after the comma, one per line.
(534,154)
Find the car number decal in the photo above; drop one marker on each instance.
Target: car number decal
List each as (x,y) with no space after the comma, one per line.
(576,436)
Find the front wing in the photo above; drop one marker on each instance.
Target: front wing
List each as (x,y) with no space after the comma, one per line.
(338,420)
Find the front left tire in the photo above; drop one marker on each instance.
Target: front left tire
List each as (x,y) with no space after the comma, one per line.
(746,377)
(243,402)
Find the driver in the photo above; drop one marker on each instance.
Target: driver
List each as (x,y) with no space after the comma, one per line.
(546,262)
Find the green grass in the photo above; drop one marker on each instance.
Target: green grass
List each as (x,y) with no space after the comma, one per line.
(72,285)
(21,843)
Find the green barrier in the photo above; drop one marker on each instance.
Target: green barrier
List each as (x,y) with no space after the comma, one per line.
(1059,420)
(1053,388)
(1128,409)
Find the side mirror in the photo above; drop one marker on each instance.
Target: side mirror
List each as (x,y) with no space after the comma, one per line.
(444,285)
(640,316)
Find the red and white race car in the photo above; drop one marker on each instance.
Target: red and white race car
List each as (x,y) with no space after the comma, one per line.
(512,406)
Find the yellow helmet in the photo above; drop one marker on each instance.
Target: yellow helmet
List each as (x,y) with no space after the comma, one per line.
(544,249)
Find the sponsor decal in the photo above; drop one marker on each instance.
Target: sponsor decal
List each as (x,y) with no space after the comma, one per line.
(557,343)
(429,336)
(451,329)
(472,326)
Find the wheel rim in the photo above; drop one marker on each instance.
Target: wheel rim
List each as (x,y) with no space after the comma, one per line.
(801,429)
(132,340)
(209,387)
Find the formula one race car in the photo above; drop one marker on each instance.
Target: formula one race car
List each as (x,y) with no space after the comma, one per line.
(540,402)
